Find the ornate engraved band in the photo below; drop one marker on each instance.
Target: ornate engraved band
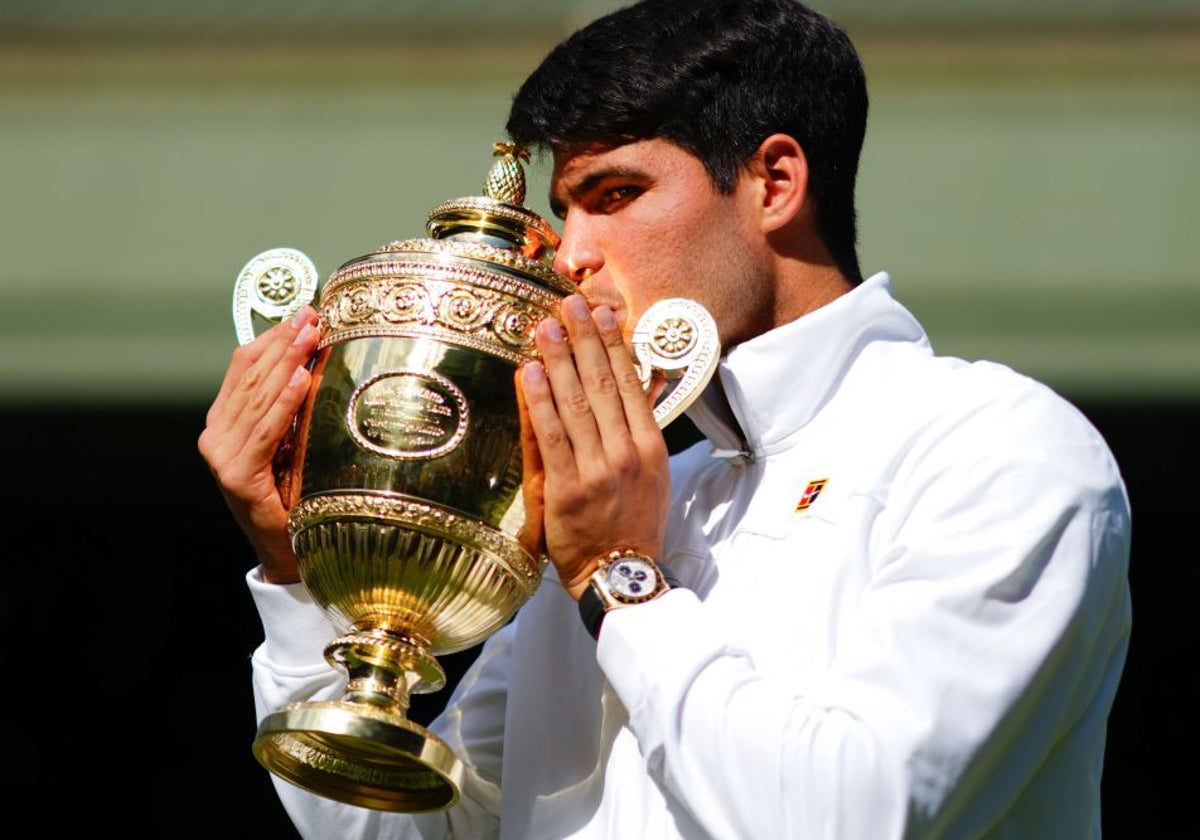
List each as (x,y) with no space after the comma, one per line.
(480,251)
(313,753)
(421,296)
(420,515)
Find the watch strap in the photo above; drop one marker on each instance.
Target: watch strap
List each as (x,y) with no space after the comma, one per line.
(591,610)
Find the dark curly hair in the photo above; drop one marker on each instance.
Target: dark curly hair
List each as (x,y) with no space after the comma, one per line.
(715,77)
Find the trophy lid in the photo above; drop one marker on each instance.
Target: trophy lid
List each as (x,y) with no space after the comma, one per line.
(498,217)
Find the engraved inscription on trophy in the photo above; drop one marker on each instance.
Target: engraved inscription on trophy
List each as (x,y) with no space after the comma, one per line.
(408,415)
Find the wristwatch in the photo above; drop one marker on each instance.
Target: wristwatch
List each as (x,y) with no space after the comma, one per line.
(624,578)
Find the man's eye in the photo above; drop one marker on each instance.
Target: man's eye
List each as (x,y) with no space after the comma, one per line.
(616,197)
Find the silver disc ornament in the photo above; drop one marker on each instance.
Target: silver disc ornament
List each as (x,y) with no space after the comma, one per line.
(273,285)
(678,337)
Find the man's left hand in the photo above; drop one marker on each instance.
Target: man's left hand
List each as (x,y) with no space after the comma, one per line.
(600,471)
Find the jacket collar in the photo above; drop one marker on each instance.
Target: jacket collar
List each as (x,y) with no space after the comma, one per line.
(771,386)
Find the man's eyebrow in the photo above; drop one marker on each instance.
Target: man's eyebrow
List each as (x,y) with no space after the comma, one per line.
(592,180)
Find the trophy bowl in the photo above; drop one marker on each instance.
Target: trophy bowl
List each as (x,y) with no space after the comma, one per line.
(403,472)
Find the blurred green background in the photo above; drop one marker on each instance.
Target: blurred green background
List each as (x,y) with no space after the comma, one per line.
(1029,180)
(1029,174)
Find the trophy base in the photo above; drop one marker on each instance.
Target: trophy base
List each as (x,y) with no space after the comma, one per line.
(361,755)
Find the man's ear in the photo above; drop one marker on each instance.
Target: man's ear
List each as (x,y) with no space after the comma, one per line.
(783,168)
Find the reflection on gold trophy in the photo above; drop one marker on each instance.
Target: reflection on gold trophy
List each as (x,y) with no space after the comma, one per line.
(403,472)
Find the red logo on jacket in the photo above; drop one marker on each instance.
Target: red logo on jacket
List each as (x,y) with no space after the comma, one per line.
(810,493)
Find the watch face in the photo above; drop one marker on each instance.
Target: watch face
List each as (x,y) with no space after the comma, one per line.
(632,578)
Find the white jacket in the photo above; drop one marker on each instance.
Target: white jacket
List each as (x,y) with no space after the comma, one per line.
(928,649)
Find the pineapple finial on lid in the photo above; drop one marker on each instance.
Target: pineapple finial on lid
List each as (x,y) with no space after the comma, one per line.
(499,217)
(506,179)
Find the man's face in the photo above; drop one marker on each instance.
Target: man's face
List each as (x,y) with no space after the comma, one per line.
(643,222)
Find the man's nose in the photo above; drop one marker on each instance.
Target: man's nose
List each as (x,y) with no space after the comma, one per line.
(578,256)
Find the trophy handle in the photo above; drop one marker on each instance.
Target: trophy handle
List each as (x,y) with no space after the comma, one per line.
(274,284)
(676,337)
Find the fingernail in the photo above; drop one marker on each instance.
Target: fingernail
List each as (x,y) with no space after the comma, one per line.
(552,329)
(605,318)
(577,306)
(301,317)
(532,373)
(297,376)
(304,334)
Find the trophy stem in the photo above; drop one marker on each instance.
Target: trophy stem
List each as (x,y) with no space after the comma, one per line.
(385,667)
(362,749)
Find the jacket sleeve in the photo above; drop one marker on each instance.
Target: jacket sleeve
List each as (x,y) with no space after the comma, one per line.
(992,626)
(289,666)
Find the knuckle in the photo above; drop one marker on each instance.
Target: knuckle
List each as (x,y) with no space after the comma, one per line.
(604,383)
(598,485)
(205,445)
(628,380)
(577,404)
(264,434)
(243,355)
(555,436)
(657,448)
(259,399)
(625,459)
(252,378)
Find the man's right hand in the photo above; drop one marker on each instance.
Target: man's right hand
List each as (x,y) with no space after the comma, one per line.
(264,387)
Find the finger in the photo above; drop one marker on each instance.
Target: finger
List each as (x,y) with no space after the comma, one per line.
(242,455)
(596,374)
(637,402)
(531,456)
(554,447)
(249,354)
(533,480)
(263,353)
(246,427)
(276,370)
(263,436)
(586,393)
(571,400)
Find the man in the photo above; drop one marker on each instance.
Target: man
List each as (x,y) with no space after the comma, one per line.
(902,605)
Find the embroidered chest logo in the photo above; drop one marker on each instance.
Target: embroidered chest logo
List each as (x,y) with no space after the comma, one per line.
(810,494)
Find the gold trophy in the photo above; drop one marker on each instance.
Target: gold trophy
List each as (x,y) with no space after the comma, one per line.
(403,472)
